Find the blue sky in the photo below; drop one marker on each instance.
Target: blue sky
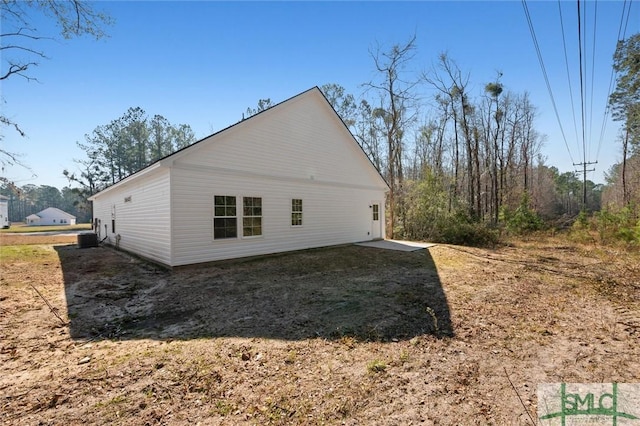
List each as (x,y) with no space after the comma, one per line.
(203,63)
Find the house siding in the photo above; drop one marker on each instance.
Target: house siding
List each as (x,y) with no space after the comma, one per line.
(143,222)
(51,216)
(331,215)
(301,139)
(299,149)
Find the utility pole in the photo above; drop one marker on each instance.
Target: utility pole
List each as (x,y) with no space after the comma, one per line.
(584,165)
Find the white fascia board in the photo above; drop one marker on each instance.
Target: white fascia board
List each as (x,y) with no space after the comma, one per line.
(128,179)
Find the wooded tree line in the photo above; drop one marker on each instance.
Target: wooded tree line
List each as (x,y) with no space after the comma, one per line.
(126,145)
(29,199)
(458,162)
(113,152)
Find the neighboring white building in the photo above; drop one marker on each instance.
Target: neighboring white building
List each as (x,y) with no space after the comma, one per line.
(4,212)
(51,216)
(289,178)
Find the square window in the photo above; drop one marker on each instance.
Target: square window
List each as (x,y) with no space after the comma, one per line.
(225,228)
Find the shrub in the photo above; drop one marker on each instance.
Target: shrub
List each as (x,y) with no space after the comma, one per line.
(468,234)
(523,220)
(616,226)
(608,226)
(429,217)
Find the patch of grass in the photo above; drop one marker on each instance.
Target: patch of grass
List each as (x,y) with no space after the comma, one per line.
(149,391)
(124,358)
(275,411)
(345,408)
(118,399)
(24,228)
(349,341)
(223,408)
(291,357)
(26,253)
(376,366)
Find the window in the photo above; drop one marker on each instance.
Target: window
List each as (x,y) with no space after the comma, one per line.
(376,212)
(296,212)
(251,216)
(225,224)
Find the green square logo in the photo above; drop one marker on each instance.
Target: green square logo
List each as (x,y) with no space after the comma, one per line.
(569,404)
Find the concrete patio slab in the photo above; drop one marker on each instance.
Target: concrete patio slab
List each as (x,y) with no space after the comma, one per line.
(396,245)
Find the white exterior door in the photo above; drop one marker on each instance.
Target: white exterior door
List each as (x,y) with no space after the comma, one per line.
(376,221)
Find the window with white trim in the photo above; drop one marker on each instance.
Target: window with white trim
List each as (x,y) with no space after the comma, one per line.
(296,212)
(225,220)
(251,216)
(376,212)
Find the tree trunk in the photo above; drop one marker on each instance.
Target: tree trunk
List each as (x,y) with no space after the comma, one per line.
(625,193)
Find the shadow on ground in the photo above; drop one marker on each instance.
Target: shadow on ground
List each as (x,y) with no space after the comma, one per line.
(362,292)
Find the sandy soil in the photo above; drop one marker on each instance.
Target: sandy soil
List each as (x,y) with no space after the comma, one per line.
(345,335)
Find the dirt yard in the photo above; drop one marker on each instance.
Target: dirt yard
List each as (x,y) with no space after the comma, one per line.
(346,335)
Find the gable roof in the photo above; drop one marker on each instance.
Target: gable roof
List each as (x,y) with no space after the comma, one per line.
(167,160)
(53,211)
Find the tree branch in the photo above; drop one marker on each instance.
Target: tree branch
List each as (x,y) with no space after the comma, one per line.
(20,33)
(12,158)
(18,69)
(7,122)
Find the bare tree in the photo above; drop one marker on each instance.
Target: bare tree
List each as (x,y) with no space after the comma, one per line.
(493,91)
(74,18)
(449,80)
(396,112)
(20,42)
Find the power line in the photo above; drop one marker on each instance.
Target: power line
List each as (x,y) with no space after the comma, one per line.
(624,33)
(584,180)
(593,77)
(544,72)
(582,88)
(585,142)
(566,63)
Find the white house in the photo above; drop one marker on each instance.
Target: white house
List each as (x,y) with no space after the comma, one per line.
(4,212)
(289,178)
(51,216)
